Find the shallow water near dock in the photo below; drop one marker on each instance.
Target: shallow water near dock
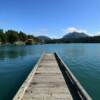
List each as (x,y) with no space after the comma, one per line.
(17,61)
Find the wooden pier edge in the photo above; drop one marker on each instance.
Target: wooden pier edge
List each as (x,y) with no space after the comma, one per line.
(81,91)
(23,88)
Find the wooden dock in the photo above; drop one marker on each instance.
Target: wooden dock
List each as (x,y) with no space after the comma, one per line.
(46,82)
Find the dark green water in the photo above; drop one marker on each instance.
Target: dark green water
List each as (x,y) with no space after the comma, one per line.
(17,61)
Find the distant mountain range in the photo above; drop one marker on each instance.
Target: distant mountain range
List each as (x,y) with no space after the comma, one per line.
(75,35)
(43,38)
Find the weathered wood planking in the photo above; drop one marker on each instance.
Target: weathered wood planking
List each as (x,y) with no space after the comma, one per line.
(48,82)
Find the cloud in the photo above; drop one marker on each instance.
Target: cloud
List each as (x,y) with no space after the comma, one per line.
(46,32)
(73,29)
(97,34)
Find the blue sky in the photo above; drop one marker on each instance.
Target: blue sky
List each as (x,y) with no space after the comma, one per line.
(50,17)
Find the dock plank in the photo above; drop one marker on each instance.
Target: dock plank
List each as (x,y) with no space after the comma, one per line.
(48,82)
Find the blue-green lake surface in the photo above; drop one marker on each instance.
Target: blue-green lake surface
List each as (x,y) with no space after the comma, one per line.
(17,61)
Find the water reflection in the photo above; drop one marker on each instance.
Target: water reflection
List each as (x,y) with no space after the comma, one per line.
(13,52)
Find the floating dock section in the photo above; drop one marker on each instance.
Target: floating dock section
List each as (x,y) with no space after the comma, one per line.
(51,79)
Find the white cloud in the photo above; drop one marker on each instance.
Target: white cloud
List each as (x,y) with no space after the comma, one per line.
(73,29)
(97,34)
(46,32)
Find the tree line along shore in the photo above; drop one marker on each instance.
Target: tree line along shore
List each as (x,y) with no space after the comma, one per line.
(18,38)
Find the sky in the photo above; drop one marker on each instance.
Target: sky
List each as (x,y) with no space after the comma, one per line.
(53,18)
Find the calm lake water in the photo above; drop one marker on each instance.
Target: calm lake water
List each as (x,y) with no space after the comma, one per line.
(17,61)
